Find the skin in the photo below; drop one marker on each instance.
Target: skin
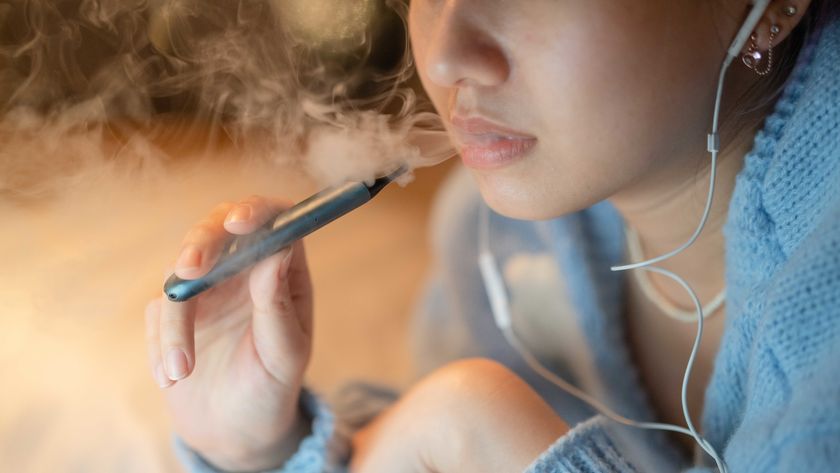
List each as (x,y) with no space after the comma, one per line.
(613,136)
(247,341)
(619,98)
(442,424)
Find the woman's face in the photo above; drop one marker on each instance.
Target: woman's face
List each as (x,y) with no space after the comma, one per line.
(558,104)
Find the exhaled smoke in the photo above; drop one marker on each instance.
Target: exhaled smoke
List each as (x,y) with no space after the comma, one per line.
(87,85)
(101,101)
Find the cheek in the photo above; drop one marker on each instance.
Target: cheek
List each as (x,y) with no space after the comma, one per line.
(420,24)
(609,110)
(615,102)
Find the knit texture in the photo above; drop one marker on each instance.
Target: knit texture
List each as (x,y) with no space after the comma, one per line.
(773,401)
(325,449)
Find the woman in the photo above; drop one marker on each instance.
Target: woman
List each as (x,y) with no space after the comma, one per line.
(556,107)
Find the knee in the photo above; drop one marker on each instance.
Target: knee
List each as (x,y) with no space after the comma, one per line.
(485,396)
(477,373)
(480,383)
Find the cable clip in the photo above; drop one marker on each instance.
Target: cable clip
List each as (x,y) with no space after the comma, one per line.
(713,142)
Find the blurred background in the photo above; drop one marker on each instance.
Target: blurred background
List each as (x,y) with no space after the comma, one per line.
(106,161)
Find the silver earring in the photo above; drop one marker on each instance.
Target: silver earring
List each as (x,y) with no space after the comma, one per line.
(752,58)
(789,10)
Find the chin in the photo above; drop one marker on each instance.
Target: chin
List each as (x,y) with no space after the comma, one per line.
(525,200)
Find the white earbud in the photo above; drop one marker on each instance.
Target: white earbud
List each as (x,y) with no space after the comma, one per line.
(759,6)
(496,292)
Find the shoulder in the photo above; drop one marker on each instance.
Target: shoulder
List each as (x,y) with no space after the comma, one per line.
(791,177)
(783,263)
(788,192)
(803,300)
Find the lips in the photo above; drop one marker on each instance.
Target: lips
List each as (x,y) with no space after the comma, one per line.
(487,145)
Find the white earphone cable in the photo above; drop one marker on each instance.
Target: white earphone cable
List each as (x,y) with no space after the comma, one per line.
(500,305)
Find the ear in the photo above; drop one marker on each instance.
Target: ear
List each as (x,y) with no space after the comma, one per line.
(778,13)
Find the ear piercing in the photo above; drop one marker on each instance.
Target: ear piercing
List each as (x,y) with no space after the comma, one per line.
(752,58)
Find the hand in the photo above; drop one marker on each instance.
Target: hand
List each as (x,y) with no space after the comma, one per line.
(233,358)
(469,416)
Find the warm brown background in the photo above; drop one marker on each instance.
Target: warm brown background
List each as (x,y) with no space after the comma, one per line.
(78,269)
(79,263)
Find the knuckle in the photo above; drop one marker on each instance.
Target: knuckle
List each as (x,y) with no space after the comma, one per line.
(283,203)
(260,207)
(151,338)
(173,330)
(218,214)
(151,315)
(265,206)
(284,306)
(152,348)
(171,321)
(254,199)
(223,208)
(201,233)
(152,309)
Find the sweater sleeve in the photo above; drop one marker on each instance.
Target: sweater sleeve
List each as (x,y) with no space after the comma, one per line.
(802,436)
(324,450)
(587,448)
(791,422)
(600,445)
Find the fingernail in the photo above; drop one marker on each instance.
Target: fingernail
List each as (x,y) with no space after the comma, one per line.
(160,376)
(190,258)
(240,214)
(176,364)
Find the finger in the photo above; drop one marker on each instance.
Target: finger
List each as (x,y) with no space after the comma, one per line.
(252,213)
(285,282)
(259,210)
(300,286)
(203,243)
(153,344)
(281,338)
(177,343)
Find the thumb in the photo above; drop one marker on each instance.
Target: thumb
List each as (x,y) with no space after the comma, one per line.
(278,331)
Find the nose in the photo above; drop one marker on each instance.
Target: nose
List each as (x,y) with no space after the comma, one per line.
(462,54)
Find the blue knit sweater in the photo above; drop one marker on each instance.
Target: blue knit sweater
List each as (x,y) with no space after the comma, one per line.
(773,402)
